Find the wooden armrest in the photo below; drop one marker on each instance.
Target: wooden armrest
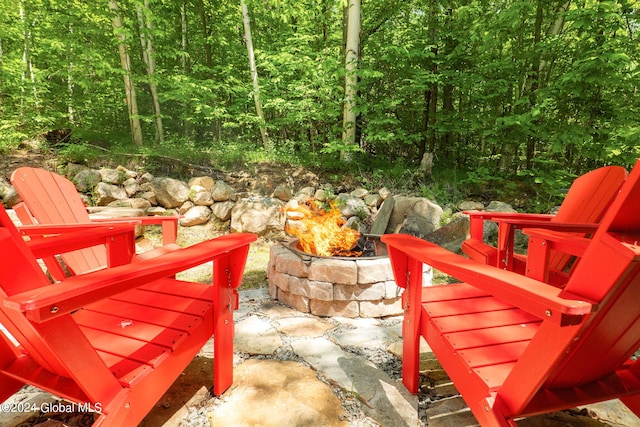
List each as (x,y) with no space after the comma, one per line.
(558,226)
(169,225)
(51,240)
(76,292)
(533,296)
(477,218)
(141,219)
(506,215)
(40,230)
(61,239)
(563,242)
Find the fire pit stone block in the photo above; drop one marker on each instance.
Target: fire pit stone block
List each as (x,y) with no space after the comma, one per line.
(333,270)
(289,263)
(335,308)
(374,270)
(380,308)
(312,289)
(298,302)
(362,292)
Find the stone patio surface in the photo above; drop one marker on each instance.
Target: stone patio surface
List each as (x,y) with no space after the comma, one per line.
(295,369)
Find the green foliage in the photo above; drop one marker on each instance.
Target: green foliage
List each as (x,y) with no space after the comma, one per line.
(10,135)
(494,92)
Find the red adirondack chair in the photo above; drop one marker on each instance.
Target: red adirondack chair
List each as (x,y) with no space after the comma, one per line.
(49,198)
(514,345)
(113,340)
(587,200)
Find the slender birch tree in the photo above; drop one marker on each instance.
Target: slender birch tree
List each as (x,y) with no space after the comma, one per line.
(125,61)
(254,75)
(27,64)
(352,55)
(148,56)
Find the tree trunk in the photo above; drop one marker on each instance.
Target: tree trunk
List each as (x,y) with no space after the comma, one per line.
(148,55)
(351,77)
(1,72)
(205,34)
(27,70)
(554,30)
(70,110)
(535,79)
(254,75)
(125,61)
(184,40)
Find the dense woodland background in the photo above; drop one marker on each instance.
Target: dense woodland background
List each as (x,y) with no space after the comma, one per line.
(510,90)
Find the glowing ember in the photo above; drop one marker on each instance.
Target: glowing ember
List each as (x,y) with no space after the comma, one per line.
(322,232)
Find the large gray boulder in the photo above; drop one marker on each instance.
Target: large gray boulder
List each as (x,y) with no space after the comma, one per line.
(414,215)
(106,193)
(86,180)
(352,206)
(259,215)
(170,192)
(195,216)
(112,176)
(221,191)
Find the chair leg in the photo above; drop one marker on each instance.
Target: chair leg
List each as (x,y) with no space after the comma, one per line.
(223,326)
(8,385)
(412,299)
(633,403)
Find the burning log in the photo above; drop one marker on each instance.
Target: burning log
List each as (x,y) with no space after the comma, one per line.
(322,232)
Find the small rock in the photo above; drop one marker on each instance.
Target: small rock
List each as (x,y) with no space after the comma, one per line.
(146,177)
(86,180)
(11,198)
(283,193)
(202,181)
(170,192)
(136,203)
(352,206)
(196,215)
(106,193)
(131,186)
(200,196)
(221,191)
(156,210)
(384,192)
(360,193)
(258,215)
(496,206)
(185,207)
(222,210)
(469,205)
(112,176)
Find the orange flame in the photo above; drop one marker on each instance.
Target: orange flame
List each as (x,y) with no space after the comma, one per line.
(322,232)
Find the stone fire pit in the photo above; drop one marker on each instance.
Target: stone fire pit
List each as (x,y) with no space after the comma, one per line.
(334,286)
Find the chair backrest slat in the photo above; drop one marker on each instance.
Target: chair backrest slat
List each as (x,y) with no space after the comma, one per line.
(586,202)
(53,199)
(609,274)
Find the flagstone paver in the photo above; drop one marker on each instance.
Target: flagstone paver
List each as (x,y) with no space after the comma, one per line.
(256,336)
(272,393)
(386,401)
(303,326)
